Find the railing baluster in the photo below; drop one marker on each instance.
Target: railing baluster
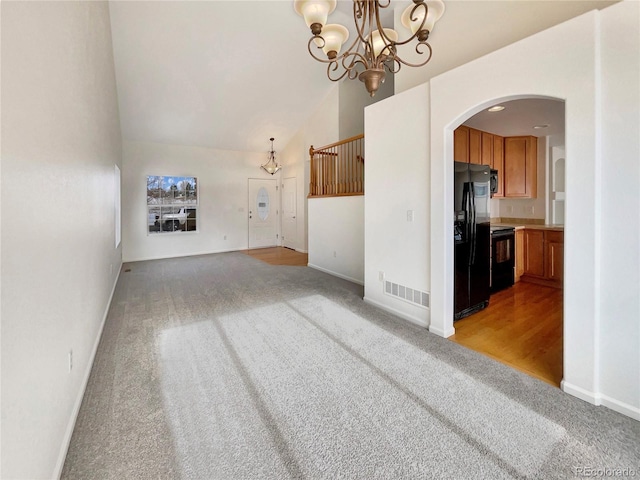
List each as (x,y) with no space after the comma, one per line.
(337,169)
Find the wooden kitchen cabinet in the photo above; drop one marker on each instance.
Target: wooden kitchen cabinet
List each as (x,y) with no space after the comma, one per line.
(519,261)
(534,252)
(487,149)
(520,167)
(555,256)
(543,257)
(475,146)
(461,144)
(498,163)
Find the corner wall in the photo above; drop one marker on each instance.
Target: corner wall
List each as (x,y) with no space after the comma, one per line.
(222,204)
(60,143)
(601,340)
(396,182)
(620,225)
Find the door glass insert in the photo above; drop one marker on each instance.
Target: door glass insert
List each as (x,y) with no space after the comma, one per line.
(263,203)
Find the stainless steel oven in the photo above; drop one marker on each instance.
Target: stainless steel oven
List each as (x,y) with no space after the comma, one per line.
(502,257)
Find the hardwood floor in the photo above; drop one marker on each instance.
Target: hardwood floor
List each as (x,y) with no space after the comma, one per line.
(279,256)
(521,327)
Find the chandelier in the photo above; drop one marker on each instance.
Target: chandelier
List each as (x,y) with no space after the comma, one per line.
(271,166)
(374,49)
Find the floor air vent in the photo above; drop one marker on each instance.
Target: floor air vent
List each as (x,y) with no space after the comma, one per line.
(407,294)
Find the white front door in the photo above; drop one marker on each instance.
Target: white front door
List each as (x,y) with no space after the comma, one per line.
(263,213)
(289,208)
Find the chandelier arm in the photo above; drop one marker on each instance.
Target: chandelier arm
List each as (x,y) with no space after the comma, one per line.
(394,61)
(408,64)
(356,58)
(361,26)
(333,67)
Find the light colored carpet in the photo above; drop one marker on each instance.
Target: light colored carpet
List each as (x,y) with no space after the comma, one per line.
(224,367)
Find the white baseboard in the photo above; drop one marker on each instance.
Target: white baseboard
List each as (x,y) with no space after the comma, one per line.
(621,407)
(194,254)
(301,250)
(599,399)
(440,332)
(336,274)
(397,313)
(66,441)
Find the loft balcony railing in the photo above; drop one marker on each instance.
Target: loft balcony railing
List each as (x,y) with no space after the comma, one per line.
(337,169)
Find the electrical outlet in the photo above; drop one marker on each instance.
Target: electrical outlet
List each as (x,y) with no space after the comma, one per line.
(225,237)
(409,215)
(334,254)
(381,276)
(70,360)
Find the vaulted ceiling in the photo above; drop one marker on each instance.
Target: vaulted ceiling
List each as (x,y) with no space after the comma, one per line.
(231,74)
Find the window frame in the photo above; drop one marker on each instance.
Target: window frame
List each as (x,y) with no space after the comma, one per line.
(170,204)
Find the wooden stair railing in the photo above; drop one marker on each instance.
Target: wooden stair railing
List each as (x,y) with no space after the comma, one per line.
(337,169)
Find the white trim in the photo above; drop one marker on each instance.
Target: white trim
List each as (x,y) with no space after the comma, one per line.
(603,400)
(440,332)
(301,250)
(190,254)
(336,274)
(580,393)
(621,407)
(397,313)
(66,441)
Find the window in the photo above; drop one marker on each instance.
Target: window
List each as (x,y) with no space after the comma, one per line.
(172,204)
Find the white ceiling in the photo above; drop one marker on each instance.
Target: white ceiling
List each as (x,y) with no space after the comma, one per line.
(231,74)
(520,116)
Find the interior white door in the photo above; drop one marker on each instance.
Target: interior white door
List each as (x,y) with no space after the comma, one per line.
(263,213)
(289,209)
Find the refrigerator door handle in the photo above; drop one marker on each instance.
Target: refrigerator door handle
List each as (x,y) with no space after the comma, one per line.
(472,210)
(467,217)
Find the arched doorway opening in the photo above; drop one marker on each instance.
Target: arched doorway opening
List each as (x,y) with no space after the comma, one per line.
(522,142)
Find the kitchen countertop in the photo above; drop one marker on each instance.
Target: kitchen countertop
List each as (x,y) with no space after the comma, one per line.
(522,225)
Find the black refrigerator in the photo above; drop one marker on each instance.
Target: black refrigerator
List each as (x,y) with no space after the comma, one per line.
(472,238)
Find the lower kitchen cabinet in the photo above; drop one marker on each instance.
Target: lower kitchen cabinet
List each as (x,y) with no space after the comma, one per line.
(543,257)
(519,255)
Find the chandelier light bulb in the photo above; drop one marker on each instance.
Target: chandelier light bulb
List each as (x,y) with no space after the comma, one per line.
(379,42)
(334,37)
(435,9)
(315,12)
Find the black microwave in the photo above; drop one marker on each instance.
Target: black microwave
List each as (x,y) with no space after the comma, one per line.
(493,182)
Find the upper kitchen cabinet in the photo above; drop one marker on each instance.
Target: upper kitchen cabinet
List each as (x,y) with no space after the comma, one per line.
(475,146)
(520,167)
(461,144)
(467,145)
(487,149)
(497,163)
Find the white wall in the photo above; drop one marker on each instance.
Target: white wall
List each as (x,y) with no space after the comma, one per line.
(472,28)
(320,129)
(353,100)
(336,235)
(620,218)
(60,142)
(397,180)
(222,190)
(562,63)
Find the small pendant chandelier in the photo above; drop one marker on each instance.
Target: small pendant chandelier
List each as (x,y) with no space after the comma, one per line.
(374,48)
(271,166)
